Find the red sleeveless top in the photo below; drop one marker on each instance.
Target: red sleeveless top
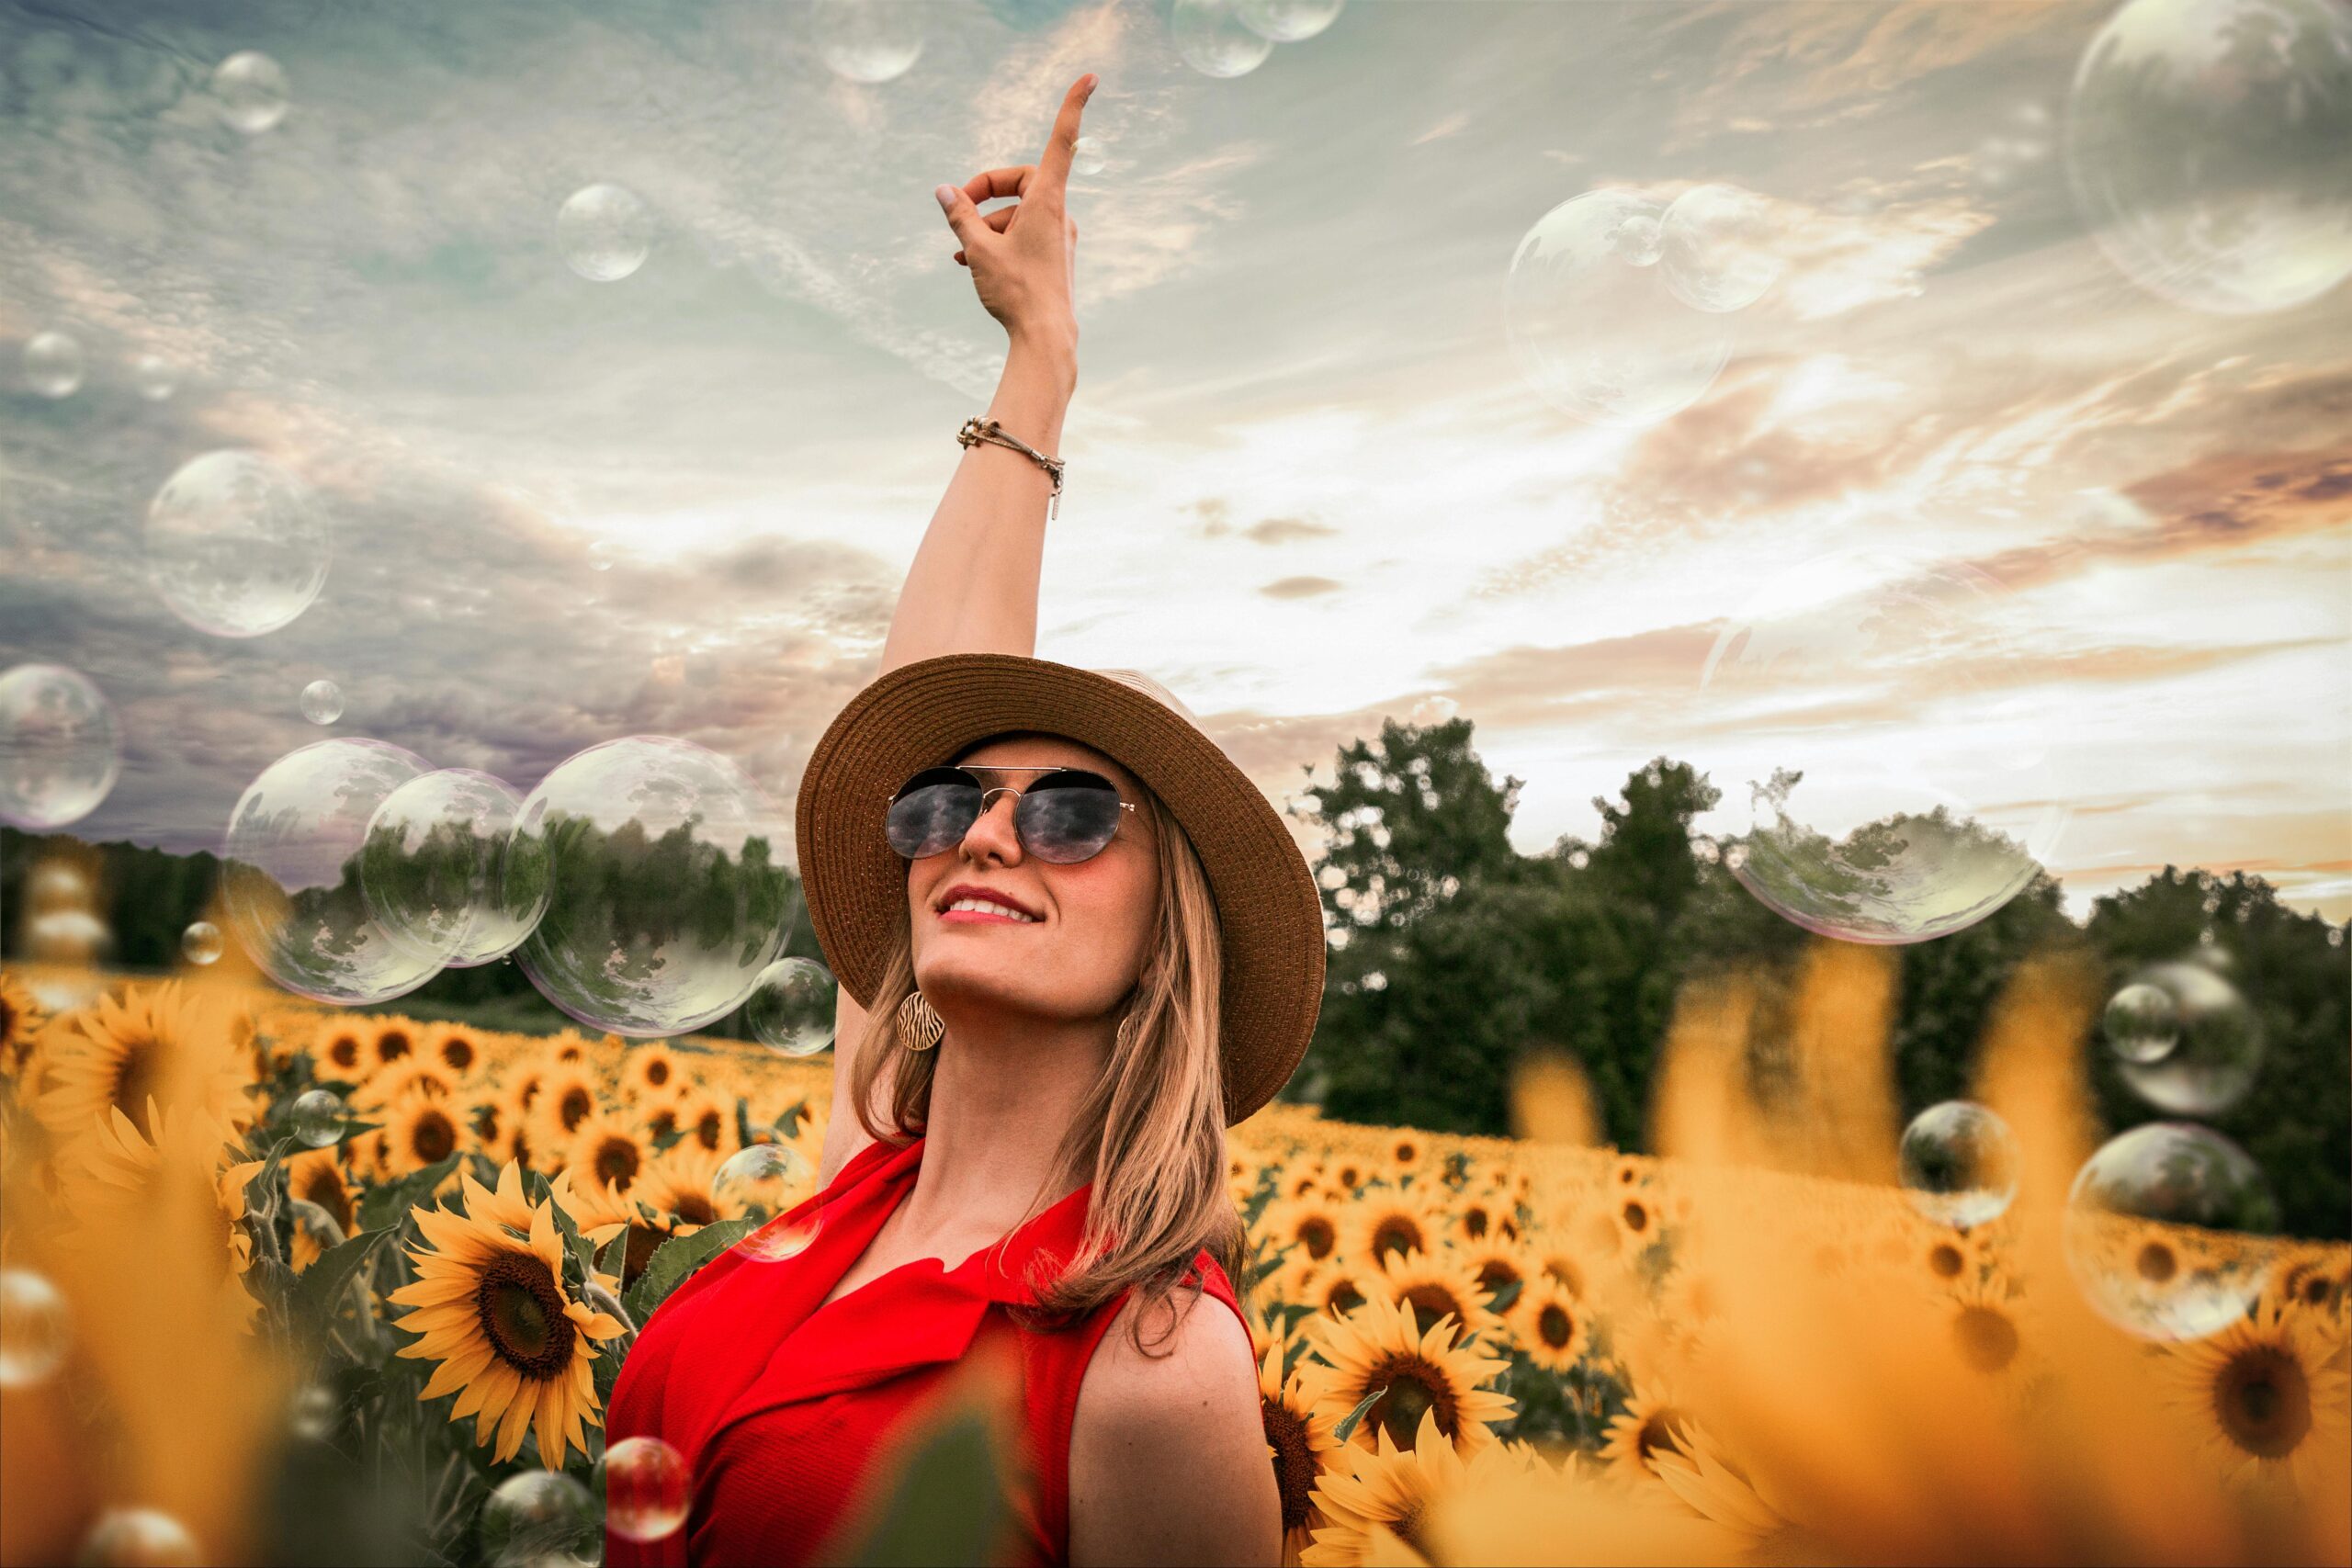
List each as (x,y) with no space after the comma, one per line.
(781,1407)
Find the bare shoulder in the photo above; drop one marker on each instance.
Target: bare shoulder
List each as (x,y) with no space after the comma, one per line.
(1168,1447)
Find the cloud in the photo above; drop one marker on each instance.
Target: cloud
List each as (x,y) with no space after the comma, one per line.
(1299,587)
(1287,530)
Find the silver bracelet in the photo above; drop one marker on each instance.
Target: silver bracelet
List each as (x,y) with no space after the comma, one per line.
(978,430)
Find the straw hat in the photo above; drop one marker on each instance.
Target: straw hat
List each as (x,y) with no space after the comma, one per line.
(925,713)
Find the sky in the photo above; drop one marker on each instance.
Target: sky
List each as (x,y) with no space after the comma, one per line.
(1308,484)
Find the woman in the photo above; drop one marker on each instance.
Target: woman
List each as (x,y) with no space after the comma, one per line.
(1074,945)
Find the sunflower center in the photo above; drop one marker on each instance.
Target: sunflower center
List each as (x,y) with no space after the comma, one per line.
(657,1073)
(1988,1340)
(1394,1234)
(344,1051)
(520,1313)
(1342,1297)
(1430,1302)
(391,1044)
(694,1208)
(323,1187)
(1293,1461)
(2157,1263)
(1658,1433)
(2264,1401)
(576,1105)
(136,1076)
(643,1240)
(1414,1387)
(1554,1326)
(706,1129)
(1944,1260)
(1350,1176)
(433,1138)
(1495,1273)
(1474,1222)
(1318,1235)
(458,1052)
(1637,1216)
(616,1162)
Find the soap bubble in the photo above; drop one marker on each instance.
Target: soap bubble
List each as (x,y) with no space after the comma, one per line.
(600,556)
(2216,1052)
(2169,1231)
(540,1516)
(200,943)
(1088,156)
(764,1182)
(1213,39)
(654,862)
(1960,1167)
(251,89)
(289,872)
(1879,783)
(791,1009)
(53,366)
(648,1491)
(1592,324)
(868,40)
(318,1116)
(138,1538)
(2141,1022)
(2209,144)
(32,1327)
(60,749)
(1288,21)
(313,1413)
(236,545)
(433,868)
(606,231)
(1719,247)
(154,377)
(323,702)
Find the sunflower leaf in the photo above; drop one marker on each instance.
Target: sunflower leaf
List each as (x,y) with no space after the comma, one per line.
(319,1292)
(1502,1299)
(664,1142)
(388,1205)
(677,1258)
(573,1242)
(1347,1422)
(615,1260)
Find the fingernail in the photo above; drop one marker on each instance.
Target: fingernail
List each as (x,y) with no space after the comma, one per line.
(946,195)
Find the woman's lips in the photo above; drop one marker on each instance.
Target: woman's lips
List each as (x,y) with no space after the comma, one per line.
(976,917)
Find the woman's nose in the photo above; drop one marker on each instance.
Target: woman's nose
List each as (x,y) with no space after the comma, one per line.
(991,835)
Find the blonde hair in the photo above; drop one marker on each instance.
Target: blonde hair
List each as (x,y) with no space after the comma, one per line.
(1151,1134)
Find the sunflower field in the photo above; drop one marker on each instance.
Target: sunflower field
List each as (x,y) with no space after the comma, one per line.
(286,1283)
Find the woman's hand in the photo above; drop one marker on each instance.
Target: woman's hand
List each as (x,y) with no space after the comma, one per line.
(1024,258)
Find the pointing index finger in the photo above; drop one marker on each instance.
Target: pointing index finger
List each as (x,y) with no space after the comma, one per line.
(1053,165)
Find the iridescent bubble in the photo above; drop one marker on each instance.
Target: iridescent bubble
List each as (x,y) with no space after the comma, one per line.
(53,364)
(251,89)
(536,1517)
(138,1537)
(1088,157)
(2169,1231)
(1959,1165)
(318,1116)
(1594,329)
(1872,788)
(313,1413)
(868,40)
(200,943)
(60,750)
(791,1009)
(1721,248)
(2141,1022)
(156,376)
(433,868)
(655,863)
(600,556)
(647,1490)
(607,231)
(2209,145)
(236,545)
(765,1182)
(323,702)
(1288,21)
(33,1332)
(289,872)
(1213,39)
(2217,1050)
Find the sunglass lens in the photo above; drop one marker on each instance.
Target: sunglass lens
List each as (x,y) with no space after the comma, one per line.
(932,814)
(1068,817)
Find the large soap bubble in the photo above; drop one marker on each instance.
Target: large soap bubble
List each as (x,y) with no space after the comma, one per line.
(1288,21)
(1214,37)
(606,230)
(868,40)
(250,88)
(236,545)
(792,1006)
(53,364)
(433,867)
(1718,247)
(765,1182)
(289,872)
(649,1491)
(2169,1231)
(2141,1022)
(1878,784)
(1959,1164)
(60,750)
(540,1516)
(2217,1042)
(322,701)
(1593,324)
(2209,145)
(654,862)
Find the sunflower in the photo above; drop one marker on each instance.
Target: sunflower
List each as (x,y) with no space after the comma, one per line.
(1985,1324)
(604,1152)
(1561,1265)
(567,1049)
(338,1051)
(1349,1174)
(1438,1285)
(1498,1263)
(1307,1223)
(522,1085)
(1549,1324)
(420,1130)
(1378,1346)
(390,1040)
(1407,1151)
(1949,1258)
(169,1043)
(569,1096)
(315,1176)
(708,1121)
(485,1120)
(1712,1486)
(489,1304)
(408,1076)
(650,1069)
(677,1182)
(1387,1221)
(21,1017)
(1377,1499)
(119,1174)
(1648,1426)
(1298,1437)
(2265,1401)
(1635,1216)
(455,1047)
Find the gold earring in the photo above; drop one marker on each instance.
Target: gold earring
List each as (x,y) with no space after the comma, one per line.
(919,1026)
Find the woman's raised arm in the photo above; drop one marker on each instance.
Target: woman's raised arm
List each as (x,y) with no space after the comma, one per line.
(973,586)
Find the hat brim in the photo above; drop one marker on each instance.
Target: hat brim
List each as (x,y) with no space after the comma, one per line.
(923,714)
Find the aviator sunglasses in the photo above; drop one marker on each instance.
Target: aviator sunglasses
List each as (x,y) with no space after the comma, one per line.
(1064,816)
